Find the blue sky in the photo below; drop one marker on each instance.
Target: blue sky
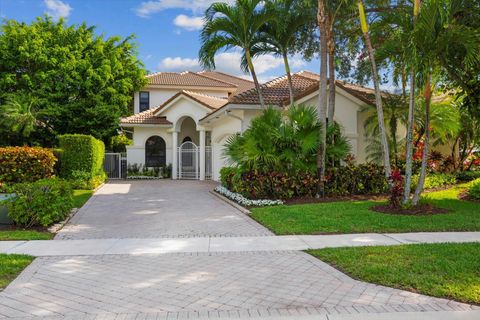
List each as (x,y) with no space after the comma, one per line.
(167,31)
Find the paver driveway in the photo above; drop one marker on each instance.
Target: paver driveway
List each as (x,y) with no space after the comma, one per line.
(158,208)
(187,285)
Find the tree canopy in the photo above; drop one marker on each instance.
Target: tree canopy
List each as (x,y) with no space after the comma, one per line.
(81,82)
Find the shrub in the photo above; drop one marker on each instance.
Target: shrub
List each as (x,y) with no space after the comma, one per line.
(82,180)
(226,176)
(43,202)
(81,153)
(396,191)
(435,180)
(119,143)
(367,178)
(474,189)
(466,176)
(25,164)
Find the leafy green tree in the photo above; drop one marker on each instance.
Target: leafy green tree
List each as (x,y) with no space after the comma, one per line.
(233,26)
(83,82)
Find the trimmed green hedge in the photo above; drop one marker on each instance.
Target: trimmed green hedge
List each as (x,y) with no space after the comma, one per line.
(81,153)
(474,189)
(435,180)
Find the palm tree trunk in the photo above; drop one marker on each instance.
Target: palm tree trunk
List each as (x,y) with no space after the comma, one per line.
(411,122)
(393,133)
(254,76)
(322,97)
(423,170)
(331,72)
(378,94)
(289,77)
(409,145)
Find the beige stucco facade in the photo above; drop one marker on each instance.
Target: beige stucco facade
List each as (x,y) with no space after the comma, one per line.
(209,129)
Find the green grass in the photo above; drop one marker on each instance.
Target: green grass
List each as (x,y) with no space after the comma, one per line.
(355,217)
(10,266)
(440,270)
(17,235)
(80,197)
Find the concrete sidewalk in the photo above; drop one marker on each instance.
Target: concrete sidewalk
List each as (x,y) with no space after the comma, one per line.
(95,247)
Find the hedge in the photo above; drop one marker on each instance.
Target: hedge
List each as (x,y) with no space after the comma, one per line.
(25,164)
(81,153)
(474,189)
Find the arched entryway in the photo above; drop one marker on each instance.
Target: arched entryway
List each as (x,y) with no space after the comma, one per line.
(155,152)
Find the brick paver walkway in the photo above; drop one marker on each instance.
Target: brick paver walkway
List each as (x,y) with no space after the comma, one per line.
(228,283)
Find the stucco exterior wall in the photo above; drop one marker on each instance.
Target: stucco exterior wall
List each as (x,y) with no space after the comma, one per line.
(136,152)
(159,95)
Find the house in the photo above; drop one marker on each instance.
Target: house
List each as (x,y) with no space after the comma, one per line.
(184,119)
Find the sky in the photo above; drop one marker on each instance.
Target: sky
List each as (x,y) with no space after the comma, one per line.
(167,31)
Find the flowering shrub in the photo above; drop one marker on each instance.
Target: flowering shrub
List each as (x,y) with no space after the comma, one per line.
(238,198)
(25,164)
(396,191)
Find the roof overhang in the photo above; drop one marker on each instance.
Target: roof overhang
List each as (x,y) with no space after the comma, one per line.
(145,125)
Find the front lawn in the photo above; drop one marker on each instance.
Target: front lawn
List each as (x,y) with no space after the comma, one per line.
(10,266)
(355,217)
(440,270)
(80,197)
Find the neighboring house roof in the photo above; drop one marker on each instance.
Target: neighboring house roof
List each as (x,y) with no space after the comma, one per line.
(145,117)
(242,84)
(189,79)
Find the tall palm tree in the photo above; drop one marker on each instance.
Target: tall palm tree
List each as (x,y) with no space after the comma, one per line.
(322,96)
(378,94)
(233,26)
(278,35)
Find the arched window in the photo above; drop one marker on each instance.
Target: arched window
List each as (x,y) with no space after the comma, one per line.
(155,155)
(187,139)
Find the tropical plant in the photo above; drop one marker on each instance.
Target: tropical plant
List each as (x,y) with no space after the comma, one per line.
(378,94)
(19,117)
(233,26)
(283,141)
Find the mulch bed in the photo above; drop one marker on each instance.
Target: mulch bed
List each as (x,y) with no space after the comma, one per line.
(364,197)
(419,210)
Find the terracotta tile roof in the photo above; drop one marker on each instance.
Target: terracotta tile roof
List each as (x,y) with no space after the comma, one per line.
(145,117)
(276,92)
(189,79)
(242,84)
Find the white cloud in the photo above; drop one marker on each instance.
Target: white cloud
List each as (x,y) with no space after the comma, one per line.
(229,62)
(188,23)
(179,64)
(57,9)
(147,8)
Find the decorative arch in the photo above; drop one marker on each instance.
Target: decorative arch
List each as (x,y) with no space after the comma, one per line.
(187,139)
(155,152)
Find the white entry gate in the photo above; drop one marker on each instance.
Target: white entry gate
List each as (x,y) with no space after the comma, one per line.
(189,161)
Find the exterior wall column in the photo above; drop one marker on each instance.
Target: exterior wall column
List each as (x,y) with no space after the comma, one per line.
(202,154)
(174,154)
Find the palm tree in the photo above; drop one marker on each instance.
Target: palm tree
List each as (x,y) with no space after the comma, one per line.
(233,26)
(278,36)
(19,114)
(378,95)
(322,96)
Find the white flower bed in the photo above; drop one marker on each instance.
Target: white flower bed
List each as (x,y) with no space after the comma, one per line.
(143,178)
(238,198)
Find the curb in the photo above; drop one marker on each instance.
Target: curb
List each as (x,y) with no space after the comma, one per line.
(230,202)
